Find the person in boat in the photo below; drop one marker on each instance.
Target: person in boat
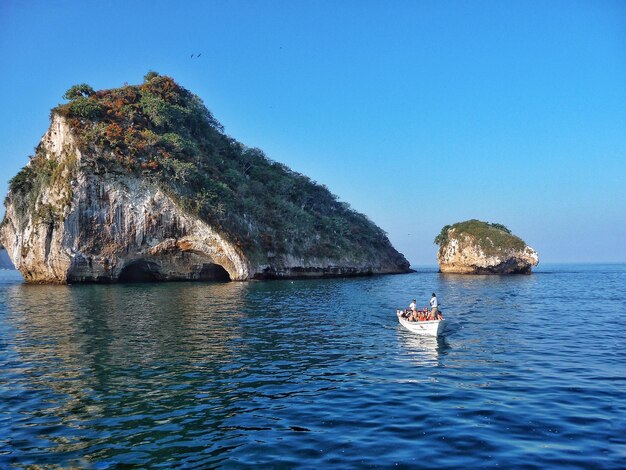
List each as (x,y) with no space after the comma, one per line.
(422,314)
(408,314)
(434,308)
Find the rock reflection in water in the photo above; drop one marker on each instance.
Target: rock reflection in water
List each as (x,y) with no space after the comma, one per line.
(105,355)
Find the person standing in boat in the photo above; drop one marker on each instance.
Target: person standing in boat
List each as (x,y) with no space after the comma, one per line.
(434,306)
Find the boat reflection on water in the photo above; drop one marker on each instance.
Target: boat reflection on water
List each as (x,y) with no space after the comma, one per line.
(422,350)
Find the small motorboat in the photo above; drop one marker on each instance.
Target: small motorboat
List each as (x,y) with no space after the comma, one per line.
(424,327)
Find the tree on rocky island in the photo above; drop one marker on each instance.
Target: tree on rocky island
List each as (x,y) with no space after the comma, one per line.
(150,75)
(81,90)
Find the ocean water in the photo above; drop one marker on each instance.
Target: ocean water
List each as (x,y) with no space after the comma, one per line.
(530,373)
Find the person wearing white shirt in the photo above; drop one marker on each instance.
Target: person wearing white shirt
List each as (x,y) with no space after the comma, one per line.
(434,312)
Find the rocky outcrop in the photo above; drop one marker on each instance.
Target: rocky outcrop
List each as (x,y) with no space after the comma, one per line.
(87,226)
(73,216)
(476,247)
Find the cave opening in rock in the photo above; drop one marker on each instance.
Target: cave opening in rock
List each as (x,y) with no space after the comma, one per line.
(140,271)
(213,272)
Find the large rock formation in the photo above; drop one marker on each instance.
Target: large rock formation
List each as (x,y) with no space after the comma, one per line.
(141,183)
(475,247)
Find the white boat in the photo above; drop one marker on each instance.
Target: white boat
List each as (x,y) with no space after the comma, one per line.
(428,327)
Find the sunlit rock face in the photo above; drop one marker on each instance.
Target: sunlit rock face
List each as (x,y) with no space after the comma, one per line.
(92,227)
(70,219)
(465,253)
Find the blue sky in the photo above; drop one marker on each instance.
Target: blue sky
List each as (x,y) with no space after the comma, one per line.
(417,113)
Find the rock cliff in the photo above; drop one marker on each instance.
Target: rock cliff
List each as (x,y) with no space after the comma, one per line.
(141,183)
(475,247)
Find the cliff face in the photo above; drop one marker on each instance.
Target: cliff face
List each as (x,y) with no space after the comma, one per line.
(90,226)
(89,208)
(475,247)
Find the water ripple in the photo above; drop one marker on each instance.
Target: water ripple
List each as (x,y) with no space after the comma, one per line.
(316,373)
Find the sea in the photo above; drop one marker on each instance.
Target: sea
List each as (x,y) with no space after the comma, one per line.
(530,373)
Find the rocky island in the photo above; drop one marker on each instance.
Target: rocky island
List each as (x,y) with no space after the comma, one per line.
(476,247)
(142,183)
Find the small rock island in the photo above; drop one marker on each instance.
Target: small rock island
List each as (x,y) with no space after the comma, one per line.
(140,183)
(476,247)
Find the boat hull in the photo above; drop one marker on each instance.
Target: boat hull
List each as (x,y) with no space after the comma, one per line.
(429,327)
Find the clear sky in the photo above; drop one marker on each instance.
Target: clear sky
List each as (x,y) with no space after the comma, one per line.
(417,113)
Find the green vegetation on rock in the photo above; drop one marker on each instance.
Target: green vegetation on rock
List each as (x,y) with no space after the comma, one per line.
(491,237)
(26,187)
(160,131)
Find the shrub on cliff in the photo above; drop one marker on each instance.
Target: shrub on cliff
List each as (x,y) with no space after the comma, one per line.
(29,182)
